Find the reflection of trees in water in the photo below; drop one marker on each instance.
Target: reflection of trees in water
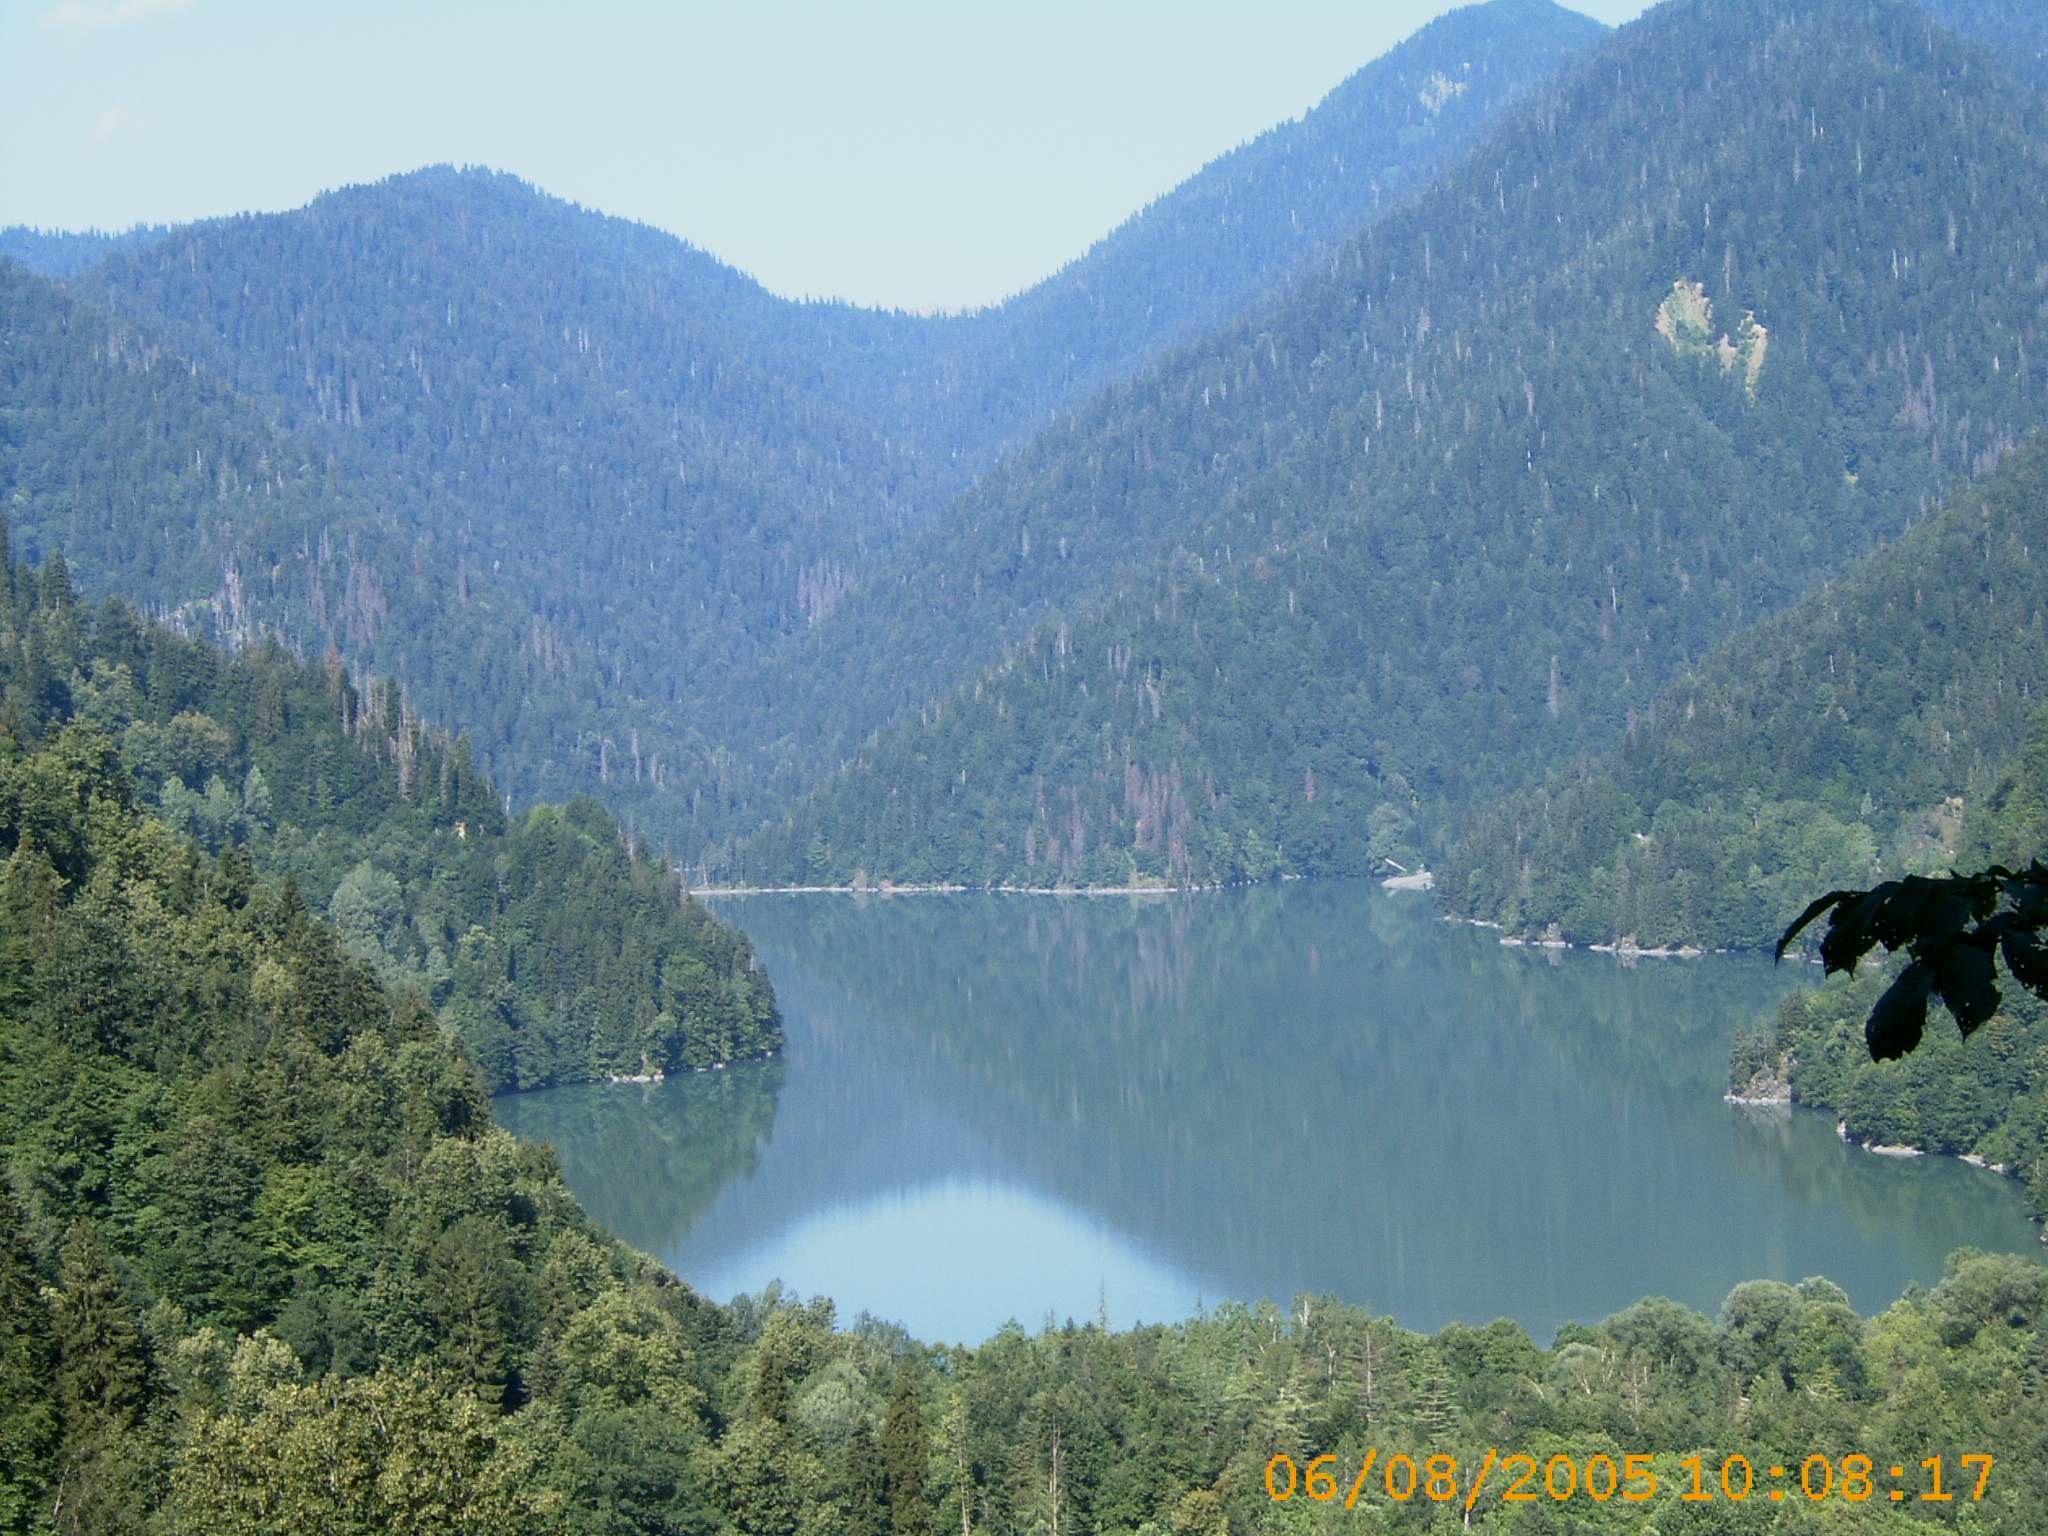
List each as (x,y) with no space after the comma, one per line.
(1296,1081)
(1130,1005)
(647,1160)
(1800,1151)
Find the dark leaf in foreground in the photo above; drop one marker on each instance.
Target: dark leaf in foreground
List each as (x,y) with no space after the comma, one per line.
(1899,1018)
(1953,927)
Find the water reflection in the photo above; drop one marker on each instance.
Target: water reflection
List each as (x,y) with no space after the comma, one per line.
(1304,1087)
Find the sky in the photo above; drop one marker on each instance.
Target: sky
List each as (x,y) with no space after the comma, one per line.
(917,154)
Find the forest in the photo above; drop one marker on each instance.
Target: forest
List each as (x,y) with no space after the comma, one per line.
(552,943)
(314,417)
(267,1265)
(1397,496)
(1600,466)
(1400,498)
(1455,511)
(1871,731)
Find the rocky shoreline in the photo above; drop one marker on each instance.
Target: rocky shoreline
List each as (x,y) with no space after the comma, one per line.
(656,1075)
(944,890)
(1904,1149)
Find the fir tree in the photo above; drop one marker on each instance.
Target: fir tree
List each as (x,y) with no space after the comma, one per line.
(905,1453)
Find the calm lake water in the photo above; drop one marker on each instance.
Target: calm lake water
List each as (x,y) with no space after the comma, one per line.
(997,1107)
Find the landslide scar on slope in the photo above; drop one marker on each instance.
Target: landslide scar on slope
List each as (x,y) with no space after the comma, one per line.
(1686,320)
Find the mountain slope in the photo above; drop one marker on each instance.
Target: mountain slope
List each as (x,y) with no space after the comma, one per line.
(1643,369)
(267,1264)
(62,253)
(555,949)
(157,482)
(1842,742)
(2016,32)
(625,471)
(1237,228)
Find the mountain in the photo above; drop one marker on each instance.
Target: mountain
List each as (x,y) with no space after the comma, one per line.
(1855,737)
(1646,367)
(608,473)
(1241,225)
(2015,31)
(267,1264)
(549,943)
(61,253)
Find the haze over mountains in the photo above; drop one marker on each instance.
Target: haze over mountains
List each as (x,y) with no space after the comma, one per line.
(1396,459)
(1605,466)
(607,467)
(634,468)
(1636,373)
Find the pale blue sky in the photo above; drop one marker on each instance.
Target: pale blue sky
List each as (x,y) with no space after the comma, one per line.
(916,153)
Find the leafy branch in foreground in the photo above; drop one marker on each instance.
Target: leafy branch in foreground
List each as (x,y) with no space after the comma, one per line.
(1952,926)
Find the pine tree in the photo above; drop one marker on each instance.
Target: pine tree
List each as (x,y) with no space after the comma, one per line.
(57,593)
(1435,1407)
(905,1452)
(31,892)
(28,1424)
(99,1350)
(867,1499)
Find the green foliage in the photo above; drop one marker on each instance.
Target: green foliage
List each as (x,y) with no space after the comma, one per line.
(28,1352)
(1451,513)
(266,1264)
(383,1453)
(724,468)
(1871,729)
(550,942)
(905,1455)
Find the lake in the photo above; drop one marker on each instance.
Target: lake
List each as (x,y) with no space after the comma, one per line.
(1006,1106)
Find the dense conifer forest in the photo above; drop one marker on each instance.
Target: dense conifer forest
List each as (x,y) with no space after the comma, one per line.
(1456,509)
(1295,593)
(1602,467)
(267,1266)
(1855,737)
(549,941)
(480,378)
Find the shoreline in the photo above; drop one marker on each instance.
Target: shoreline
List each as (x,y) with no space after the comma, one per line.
(1773,1090)
(945,890)
(1905,1149)
(644,1079)
(1420,880)
(1623,951)
(1896,1149)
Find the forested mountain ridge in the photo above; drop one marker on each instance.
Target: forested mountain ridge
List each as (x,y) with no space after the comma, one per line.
(267,1265)
(549,944)
(619,451)
(1736,299)
(64,253)
(155,479)
(2016,31)
(606,470)
(1851,739)
(1242,224)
